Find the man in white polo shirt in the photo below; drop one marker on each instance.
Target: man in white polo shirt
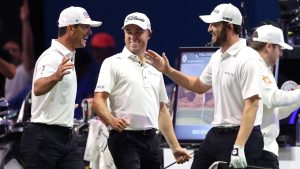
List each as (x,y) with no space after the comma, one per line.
(137,96)
(47,141)
(233,75)
(278,104)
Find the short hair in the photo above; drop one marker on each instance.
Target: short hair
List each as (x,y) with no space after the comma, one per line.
(63,30)
(236,28)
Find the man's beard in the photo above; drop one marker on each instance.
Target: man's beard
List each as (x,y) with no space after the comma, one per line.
(221,37)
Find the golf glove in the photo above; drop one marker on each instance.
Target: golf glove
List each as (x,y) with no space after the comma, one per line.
(238,159)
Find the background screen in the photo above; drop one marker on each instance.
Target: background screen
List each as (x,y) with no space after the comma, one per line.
(193,112)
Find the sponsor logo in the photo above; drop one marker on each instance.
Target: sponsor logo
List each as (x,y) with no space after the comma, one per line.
(86,15)
(135,18)
(267,80)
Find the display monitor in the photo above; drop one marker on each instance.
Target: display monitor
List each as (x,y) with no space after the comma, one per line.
(193,113)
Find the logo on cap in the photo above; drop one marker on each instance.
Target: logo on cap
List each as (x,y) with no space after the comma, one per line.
(86,15)
(135,18)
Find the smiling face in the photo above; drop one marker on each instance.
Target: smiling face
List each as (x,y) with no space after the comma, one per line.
(81,33)
(218,31)
(136,39)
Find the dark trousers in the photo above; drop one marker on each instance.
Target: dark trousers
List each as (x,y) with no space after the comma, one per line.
(135,149)
(269,160)
(218,144)
(50,147)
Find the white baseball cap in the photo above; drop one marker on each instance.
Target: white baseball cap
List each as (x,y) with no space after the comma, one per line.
(224,12)
(271,34)
(138,19)
(76,15)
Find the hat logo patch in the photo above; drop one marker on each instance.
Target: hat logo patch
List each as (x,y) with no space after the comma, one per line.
(86,15)
(227,19)
(135,18)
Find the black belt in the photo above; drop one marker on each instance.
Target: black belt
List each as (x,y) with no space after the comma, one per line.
(147,132)
(68,131)
(222,129)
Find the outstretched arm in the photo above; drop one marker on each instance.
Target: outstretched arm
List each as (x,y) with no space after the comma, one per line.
(27,38)
(161,63)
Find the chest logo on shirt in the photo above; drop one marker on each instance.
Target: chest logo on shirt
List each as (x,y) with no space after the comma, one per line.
(229,73)
(266,80)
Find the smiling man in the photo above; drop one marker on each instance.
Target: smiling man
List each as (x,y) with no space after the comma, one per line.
(47,141)
(137,96)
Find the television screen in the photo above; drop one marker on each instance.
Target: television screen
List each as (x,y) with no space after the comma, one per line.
(193,113)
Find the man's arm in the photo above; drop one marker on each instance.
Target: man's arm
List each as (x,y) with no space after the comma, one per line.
(7,69)
(248,119)
(166,127)
(161,63)
(101,108)
(27,38)
(44,84)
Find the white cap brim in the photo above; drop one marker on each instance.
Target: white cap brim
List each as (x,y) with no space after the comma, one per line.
(209,19)
(285,46)
(93,23)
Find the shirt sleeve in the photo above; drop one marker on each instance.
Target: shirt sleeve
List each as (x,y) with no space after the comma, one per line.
(206,75)
(163,97)
(46,66)
(250,81)
(106,78)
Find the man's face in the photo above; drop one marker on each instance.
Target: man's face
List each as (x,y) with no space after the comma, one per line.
(81,34)
(219,33)
(274,54)
(136,39)
(14,50)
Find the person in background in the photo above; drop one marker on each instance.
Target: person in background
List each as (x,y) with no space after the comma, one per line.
(233,75)
(138,98)
(48,141)
(23,58)
(102,46)
(278,104)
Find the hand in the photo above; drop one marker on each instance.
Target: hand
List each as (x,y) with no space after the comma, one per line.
(24,11)
(63,68)
(181,155)
(238,159)
(119,124)
(161,63)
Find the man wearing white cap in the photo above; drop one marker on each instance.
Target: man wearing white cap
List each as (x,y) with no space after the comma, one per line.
(278,104)
(47,141)
(137,96)
(233,75)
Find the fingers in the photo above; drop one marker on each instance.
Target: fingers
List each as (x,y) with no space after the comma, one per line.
(121,125)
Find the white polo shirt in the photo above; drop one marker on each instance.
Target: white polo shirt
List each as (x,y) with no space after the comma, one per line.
(234,77)
(135,90)
(272,99)
(57,106)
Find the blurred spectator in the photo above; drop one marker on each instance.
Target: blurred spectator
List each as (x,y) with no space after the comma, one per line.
(102,46)
(23,58)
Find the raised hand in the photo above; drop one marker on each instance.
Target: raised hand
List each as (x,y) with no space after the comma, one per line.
(64,68)
(161,63)
(24,11)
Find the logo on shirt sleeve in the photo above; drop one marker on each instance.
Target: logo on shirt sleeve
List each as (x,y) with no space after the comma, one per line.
(266,80)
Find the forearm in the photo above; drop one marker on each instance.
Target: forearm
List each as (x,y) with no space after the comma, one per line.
(7,69)
(27,45)
(285,111)
(247,122)
(101,109)
(166,127)
(45,84)
(188,82)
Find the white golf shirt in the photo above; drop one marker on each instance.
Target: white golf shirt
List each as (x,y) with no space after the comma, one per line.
(234,77)
(135,90)
(57,106)
(272,113)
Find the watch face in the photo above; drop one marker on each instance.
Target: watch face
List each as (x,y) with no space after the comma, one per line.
(289,85)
